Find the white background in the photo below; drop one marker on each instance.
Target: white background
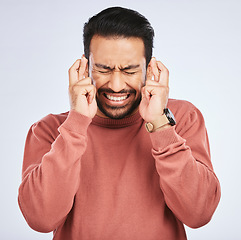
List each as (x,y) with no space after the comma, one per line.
(199,42)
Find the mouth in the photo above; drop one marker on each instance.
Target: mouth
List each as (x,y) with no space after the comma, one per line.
(116,99)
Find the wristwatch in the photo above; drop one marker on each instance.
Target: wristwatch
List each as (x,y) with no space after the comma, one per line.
(166,118)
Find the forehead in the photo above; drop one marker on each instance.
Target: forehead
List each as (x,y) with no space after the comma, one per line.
(117,50)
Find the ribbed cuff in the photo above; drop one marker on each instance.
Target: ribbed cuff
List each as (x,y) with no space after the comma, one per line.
(76,122)
(164,138)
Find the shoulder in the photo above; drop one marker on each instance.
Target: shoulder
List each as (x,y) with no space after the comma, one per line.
(49,124)
(54,119)
(185,112)
(180,106)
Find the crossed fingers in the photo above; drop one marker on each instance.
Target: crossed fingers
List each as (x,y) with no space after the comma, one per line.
(157,72)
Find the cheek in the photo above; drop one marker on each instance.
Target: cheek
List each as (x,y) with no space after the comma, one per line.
(97,81)
(137,83)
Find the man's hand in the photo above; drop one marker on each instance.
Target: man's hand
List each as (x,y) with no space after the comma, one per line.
(155,92)
(81,90)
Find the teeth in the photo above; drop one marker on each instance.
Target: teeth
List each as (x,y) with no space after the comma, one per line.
(116,98)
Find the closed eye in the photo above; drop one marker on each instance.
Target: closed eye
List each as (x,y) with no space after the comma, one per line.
(130,73)
(104,72)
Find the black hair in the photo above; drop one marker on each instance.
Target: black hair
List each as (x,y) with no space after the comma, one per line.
(119,22)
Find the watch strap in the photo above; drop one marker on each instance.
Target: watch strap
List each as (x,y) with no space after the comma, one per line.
(152,126)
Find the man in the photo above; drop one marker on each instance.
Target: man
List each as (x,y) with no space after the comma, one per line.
(119,165)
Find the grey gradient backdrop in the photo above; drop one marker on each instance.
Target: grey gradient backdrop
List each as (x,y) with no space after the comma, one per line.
(199,41)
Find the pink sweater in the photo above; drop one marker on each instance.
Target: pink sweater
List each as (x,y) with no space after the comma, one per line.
(106,179)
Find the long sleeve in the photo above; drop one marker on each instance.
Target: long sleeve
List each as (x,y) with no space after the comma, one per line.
(190,187)
(51,168)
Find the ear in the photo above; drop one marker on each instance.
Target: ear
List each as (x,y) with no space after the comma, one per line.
(149,73)
(86,73)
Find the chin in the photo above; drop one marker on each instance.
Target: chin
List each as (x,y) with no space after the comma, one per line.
(116,112)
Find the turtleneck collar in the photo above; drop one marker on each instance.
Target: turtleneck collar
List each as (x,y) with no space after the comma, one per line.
(117,123)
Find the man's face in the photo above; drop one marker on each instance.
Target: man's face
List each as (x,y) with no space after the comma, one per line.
(117,67)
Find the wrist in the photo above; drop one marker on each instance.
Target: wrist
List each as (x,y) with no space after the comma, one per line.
(161,128)
(162,122)
(157,124)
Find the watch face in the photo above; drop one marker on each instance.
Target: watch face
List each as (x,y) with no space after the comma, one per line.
(149,127)
(170,116)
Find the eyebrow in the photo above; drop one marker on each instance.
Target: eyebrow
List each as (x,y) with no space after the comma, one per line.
(130,67)
(99,65)
(133,66)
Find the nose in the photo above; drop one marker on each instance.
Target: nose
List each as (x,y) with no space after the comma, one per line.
(117,82)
